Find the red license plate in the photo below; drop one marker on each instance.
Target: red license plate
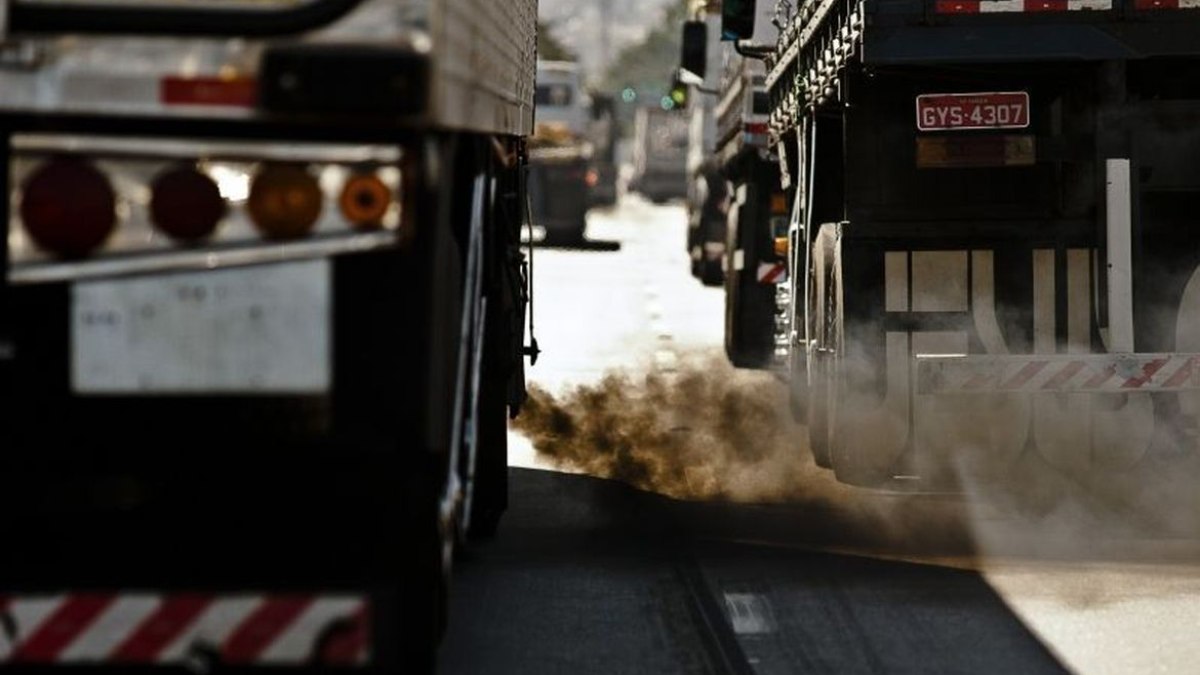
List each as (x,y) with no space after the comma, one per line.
(996,110)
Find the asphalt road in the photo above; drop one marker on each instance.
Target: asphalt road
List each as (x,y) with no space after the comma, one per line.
(590,576)
(795,573)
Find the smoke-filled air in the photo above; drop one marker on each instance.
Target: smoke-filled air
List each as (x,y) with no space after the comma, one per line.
(710,432)
(705,432)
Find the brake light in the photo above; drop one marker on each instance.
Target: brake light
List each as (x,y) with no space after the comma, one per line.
(185,204)
(592,178)
(68,207)
(365,200)
(285,201)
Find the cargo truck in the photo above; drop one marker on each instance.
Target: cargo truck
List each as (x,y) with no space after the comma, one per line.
(560,153)
(732,242)
(261,309)
(990,239)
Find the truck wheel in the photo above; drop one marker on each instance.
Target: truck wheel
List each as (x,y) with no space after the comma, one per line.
(491,468)
(819,411)
(820,377)
(711,273)
(863,463)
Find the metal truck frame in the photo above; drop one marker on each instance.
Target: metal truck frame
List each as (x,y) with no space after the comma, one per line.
(990,242)
(285,487)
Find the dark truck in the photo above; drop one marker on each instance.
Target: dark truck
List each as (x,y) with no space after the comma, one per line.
(261,308)
(992,255)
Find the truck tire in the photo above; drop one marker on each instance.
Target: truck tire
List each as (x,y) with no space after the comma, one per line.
(819,407)
(864,464)
(491,466)
(749,305)
(711,273)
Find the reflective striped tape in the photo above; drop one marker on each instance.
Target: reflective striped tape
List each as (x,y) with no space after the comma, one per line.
(1142,5)
(1010,6)
(171,629)
(1100,373)
(771,273)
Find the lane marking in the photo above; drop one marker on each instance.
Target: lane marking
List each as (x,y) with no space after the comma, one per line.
(749,614)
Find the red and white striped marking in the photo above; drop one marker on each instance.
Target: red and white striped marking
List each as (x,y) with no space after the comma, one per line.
(772,273)
(1011,6)
(1142,5)
(1099,373)
(147,628)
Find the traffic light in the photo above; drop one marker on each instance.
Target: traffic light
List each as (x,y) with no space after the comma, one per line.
(678,94)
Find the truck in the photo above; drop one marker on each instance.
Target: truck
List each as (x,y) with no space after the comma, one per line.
(988,249)
(733,238)
(560,153)
(262,300)
(707,193)
(660,143)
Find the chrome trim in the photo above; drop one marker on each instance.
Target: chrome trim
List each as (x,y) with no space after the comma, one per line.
(249,151)
(200,259)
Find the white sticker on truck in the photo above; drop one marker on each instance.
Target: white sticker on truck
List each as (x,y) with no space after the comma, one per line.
(254,330)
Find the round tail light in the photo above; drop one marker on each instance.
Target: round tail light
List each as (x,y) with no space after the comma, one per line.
(68,207)
(365,200)
(185,204)
(285,201)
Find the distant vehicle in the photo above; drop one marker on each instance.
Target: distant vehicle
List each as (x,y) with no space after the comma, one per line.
(261,298)
(560,154)
(602,133)
(991,250)
(708,195)
(660,154)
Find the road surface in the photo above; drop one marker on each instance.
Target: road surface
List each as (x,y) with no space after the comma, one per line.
(765,565)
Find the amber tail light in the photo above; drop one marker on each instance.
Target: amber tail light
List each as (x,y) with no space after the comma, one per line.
(285,201)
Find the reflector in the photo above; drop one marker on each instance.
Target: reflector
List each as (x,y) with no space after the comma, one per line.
(185,204)
(68,207)
(285,201)
(365,200)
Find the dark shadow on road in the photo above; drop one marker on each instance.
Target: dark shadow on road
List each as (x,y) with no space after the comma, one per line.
(597,245)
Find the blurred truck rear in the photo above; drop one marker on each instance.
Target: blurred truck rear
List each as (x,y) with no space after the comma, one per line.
(261,309)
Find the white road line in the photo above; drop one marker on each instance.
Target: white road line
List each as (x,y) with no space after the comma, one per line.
(666,360)
(749,613)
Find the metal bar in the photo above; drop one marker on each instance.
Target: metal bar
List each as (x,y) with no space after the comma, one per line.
(200,259)
(1057,373)
(1119,225)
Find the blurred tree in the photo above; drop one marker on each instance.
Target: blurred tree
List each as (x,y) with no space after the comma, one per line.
(549,47)
(647,68)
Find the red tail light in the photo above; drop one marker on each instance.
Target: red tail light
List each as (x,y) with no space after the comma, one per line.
(68,207)
(186,205)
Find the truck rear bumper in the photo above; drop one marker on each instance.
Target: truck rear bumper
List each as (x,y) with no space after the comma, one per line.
(1064,373)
